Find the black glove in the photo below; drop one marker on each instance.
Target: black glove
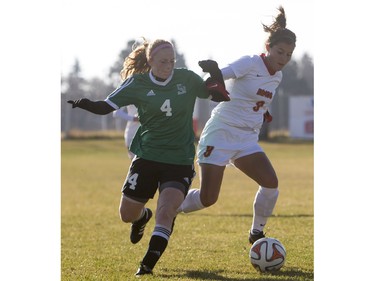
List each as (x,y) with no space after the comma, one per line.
(208,65)
(82,103)
(212,67)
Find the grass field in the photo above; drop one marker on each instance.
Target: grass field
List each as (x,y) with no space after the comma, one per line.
(207,245)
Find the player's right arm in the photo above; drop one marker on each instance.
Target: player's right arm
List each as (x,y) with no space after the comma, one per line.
(102,107)
(97,107)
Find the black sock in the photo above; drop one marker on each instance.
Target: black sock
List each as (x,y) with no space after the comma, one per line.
(156,246)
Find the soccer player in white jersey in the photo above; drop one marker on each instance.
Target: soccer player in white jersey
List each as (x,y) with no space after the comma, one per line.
(163,144)
(132,124)
(232,132)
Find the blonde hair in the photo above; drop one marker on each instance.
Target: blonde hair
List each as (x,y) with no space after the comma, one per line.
(137,61)
(278,31)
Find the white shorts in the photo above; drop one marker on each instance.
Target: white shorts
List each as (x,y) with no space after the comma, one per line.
(220,144)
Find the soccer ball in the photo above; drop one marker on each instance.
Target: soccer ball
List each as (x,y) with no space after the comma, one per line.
(267,255)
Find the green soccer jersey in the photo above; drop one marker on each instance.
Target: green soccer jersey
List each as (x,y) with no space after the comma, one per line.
(165,112)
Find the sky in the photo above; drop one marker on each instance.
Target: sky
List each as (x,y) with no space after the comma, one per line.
(95,32)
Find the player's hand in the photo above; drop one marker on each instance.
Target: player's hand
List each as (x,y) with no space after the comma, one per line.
(267,117)
(208,65)
(212,67)
(79,103)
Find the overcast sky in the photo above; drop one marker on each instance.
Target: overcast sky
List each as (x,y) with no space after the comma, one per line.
(95,32)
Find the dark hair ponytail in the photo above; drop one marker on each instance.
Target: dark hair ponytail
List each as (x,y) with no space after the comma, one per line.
(278,31)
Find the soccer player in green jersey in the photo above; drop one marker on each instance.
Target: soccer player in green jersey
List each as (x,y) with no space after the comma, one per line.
(163,144)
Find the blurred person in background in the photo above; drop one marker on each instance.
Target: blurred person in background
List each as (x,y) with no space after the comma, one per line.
(132,125)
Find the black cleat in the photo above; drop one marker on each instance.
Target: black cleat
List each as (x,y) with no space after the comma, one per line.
(142,270)
(138,227)
(255,236)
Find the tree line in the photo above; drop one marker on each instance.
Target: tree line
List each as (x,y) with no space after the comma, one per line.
(298,80)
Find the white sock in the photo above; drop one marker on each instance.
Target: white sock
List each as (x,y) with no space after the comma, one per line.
(192,202)
(265,201)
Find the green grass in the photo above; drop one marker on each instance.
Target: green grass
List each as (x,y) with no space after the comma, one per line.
(207,245)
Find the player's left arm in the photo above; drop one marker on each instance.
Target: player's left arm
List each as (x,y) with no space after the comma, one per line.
(97,107)
(217,90)
(212,67)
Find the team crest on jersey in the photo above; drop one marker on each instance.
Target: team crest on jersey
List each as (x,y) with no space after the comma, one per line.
(181,89)
(151,93)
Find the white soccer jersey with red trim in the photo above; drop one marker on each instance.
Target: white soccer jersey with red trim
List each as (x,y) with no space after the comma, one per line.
(251,93)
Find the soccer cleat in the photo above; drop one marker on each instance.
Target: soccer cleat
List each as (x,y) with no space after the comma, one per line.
(255,236)
(142,270)
(138,227)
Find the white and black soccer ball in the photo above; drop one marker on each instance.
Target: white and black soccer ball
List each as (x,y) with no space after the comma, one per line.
(267,254)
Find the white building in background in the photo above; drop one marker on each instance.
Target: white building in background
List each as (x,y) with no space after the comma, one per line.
(301,117)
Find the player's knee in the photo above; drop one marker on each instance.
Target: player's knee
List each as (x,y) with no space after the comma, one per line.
(207,200)
(165,213)
(270,182)
(273,183)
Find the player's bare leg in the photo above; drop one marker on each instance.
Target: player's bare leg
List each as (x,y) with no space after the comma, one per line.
(211,177)
(130,210)
(169,200)
(258,167)
(136,213)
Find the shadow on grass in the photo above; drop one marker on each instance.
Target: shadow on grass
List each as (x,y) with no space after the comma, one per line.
(250,215)
(283,275)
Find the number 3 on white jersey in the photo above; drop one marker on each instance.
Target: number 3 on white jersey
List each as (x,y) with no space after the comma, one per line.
(166,107)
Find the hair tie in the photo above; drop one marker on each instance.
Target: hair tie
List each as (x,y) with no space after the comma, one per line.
(161,46)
